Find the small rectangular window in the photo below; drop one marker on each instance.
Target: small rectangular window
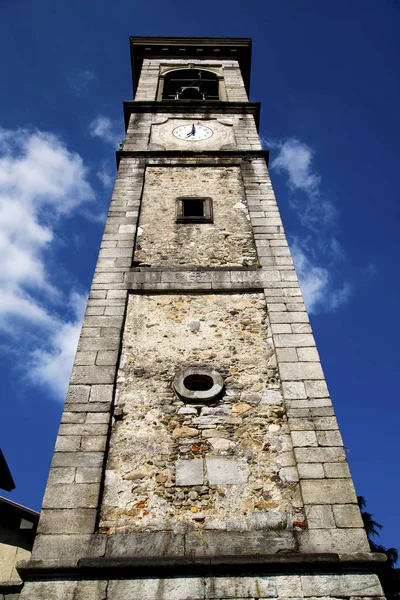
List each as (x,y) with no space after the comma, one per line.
(193,209)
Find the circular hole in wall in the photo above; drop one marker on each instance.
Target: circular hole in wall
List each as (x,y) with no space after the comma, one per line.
(198,383)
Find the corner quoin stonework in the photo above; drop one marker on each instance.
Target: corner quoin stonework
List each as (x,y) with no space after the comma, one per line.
(321,550)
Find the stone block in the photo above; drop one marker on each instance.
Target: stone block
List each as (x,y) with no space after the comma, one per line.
(319,455)
(68,547)
(289,586)
(336,470)
(240,587)
(288,317)
(316,389)
(281,328)
(286,355)
(78,393)
(84,429)
(158,543)
(329,438)
(73,495)
(93,375)
(226,471)
(343,541)
(325,423)
(308,354)
(101,393)
(293,390)
(103,321)
(94,443)
(343,585)
(76,459)
(320,516)
(347,515)
(107,357)
(214,543)
(61,475)
(108,343)
(98,417)
(177,588)
(328,491)
(300,328)
(289,474)
(310,470)
(303,438)
(86,358)
(68,443)
(300,371)
(88,474)
(189,472)
(72,417)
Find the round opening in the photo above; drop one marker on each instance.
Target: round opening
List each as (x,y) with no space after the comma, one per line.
(198,383)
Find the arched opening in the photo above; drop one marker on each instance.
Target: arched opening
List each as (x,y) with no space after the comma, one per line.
(190,84)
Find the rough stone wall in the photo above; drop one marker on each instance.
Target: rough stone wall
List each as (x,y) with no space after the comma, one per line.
(228,465)
(148,84)
(226,241)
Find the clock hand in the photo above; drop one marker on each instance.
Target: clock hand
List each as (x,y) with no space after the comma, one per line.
(192,132)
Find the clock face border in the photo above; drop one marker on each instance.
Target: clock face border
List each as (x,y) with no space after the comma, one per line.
(187,129)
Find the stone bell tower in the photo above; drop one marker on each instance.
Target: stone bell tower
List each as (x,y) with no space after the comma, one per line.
(198,456)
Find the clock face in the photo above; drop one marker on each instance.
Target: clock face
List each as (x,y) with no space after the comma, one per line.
(192,133)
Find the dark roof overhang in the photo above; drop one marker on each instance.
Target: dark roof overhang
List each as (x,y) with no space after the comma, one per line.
(190,47)
(6,480)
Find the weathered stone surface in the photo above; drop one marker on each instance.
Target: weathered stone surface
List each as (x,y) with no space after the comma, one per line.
(146,544)
(64,590)
(69,548)
(347,515)
(73,495)
(240,587)
(353,584)
(189,472)
(242,434)
(184,588)
(328,491)
(343,541)
(320,517)
(227,240)
(223,471)
(213,543)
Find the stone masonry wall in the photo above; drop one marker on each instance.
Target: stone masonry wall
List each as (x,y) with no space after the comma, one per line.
(67,528)
(225,465)
(226,241)
(142,133)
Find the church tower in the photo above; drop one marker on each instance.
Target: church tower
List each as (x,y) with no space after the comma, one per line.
(198,455)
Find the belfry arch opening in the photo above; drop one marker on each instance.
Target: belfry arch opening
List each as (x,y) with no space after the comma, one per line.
(190,84)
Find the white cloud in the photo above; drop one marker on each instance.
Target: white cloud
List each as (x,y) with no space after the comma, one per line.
(41,182)
(104,175)
(52,365)
(318,215)
(319,293)
(295,158)
(107,130)
(79,81)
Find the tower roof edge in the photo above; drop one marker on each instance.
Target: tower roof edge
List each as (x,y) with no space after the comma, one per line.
(190,47)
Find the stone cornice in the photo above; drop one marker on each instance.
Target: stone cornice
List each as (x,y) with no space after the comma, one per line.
(191,106)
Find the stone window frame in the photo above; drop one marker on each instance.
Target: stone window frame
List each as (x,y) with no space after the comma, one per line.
(216,70)
(207,216)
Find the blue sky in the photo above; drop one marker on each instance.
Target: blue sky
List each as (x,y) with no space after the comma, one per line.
(327,74)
